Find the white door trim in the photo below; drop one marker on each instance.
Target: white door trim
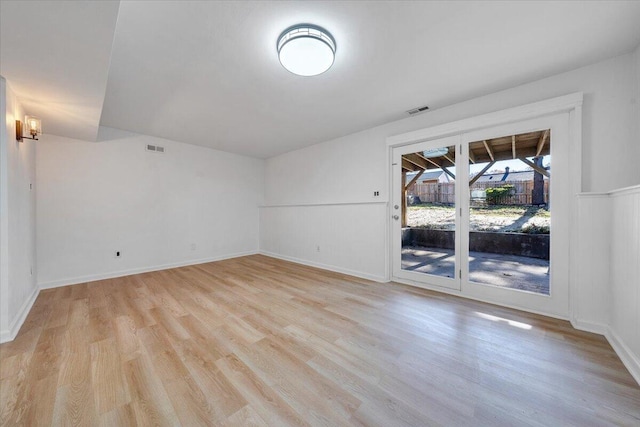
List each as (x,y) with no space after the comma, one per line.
(571,104)
(567,103)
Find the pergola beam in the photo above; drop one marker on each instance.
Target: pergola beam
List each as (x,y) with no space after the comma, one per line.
(416,160)
(449,173)
(433,163)
(489,150)
(541,142)
(421,162)
(477,177)
(426,159)
(472,157)
(414,179)
(406,164)
(450,159)
(404,201)
(535,167)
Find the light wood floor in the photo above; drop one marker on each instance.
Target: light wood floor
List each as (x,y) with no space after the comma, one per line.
(258,341)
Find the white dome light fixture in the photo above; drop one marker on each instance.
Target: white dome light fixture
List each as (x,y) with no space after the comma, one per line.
(306,50)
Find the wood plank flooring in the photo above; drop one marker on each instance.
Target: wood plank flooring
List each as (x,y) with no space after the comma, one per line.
(263,342)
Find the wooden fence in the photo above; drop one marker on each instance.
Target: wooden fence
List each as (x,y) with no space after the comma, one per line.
(445,192)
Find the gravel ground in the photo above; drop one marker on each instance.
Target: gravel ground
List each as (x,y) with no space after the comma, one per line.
(504,219)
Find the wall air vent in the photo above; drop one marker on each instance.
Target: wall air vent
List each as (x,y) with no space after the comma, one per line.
(156,148)
(417,110)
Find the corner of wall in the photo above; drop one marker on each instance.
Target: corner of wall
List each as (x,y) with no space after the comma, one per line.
(636,80)
(18,286)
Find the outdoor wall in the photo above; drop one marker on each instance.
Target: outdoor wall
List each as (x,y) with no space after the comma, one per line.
(188,205)
(17,219)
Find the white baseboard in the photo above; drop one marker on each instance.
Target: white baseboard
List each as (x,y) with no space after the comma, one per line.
(630,360)
(114,274)
(593,327)
(333,268)
(7,335)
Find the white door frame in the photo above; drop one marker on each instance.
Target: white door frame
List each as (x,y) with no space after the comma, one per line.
(570,104)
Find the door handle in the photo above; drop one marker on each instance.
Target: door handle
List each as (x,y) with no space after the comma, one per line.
(396,207)
(396,217)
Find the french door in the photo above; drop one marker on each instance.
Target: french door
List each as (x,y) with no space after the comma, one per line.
(487,214)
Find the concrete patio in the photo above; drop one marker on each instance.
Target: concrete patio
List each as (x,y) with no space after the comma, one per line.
(508,271)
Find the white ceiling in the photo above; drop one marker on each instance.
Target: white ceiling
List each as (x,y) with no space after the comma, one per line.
(207,73)
(55,56)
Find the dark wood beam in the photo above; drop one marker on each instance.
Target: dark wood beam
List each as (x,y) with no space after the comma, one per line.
(475,178)
(406,164)
(535,167)
(429,161)
(541,142)
(414,179)
(449,173)
(433,163)
(404,201)
(450,159)
(506,155)
(489,150)
(416,160)
(472,157)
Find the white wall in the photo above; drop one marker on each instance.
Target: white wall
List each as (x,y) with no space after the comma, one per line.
(349,169)
(337,237)
(592,304)
(637,106)
(609,247)
(98,198)
(625,277)
(17,223)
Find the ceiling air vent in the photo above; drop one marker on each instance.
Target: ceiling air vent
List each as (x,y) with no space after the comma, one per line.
(156,148)
(417,110)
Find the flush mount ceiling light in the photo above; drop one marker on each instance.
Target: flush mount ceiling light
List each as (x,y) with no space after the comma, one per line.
(306,50)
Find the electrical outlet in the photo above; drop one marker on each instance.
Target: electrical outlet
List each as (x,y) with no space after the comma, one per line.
(118,254)
(194,246)
(318,248)
(376,193)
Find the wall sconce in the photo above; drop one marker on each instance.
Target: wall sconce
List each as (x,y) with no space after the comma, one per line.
(33,124)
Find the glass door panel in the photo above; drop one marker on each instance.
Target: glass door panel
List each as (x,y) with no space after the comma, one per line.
(509,211)
(425,213)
